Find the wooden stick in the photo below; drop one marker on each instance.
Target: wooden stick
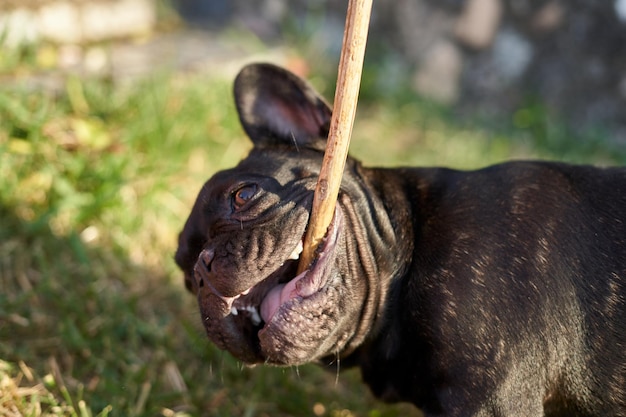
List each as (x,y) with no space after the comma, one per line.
(344,110)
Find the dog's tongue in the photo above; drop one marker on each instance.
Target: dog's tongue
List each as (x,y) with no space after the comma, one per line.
(277,296)
(308,282)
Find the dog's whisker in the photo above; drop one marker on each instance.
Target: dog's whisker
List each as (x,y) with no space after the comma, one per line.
(338,367)
(295,142)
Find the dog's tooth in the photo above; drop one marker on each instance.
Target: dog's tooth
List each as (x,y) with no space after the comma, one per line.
(234,311)
(295,255)
(253,311)
(255,316)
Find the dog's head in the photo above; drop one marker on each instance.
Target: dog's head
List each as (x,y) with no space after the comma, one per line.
(240,246)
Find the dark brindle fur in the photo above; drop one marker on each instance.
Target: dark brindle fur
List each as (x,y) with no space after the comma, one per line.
(496,292)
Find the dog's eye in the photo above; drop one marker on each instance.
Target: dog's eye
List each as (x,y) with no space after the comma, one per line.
(243,195)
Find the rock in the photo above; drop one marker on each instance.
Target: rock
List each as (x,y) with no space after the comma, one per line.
(512,54)
(96,21)
(66,21)
(438,77)
(478,24)
(620,10)
(549,17)
(18,25)
(418,27)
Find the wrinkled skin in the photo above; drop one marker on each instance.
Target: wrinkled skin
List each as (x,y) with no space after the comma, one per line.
(497,292)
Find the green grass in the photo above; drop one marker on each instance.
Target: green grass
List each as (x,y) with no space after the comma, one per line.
(96,182)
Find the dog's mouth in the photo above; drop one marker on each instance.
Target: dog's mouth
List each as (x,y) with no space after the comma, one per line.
(254,316)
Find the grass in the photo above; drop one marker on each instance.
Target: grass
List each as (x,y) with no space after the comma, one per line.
(97,180)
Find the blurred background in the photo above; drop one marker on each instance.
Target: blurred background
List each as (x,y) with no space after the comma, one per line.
(114,112)
(484,56)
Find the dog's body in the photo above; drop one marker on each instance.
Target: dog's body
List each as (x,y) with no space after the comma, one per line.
(498,292)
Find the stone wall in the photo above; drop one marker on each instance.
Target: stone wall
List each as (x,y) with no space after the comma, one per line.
(490,56)
(74,21)
(485,55)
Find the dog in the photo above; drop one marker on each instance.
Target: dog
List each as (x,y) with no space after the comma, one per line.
(494,292)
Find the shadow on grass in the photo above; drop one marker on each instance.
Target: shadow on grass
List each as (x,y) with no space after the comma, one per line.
(116,334)
(86,316)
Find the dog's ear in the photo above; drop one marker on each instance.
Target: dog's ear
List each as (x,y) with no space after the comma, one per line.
(276,106)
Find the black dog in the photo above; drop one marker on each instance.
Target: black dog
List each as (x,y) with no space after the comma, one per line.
(497,292)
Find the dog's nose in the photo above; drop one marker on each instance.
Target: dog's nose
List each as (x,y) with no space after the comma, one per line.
(202,269)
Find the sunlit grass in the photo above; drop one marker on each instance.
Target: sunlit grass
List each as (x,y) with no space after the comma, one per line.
(34,398)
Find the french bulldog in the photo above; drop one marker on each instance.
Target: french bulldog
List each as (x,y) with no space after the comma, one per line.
(494,292)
